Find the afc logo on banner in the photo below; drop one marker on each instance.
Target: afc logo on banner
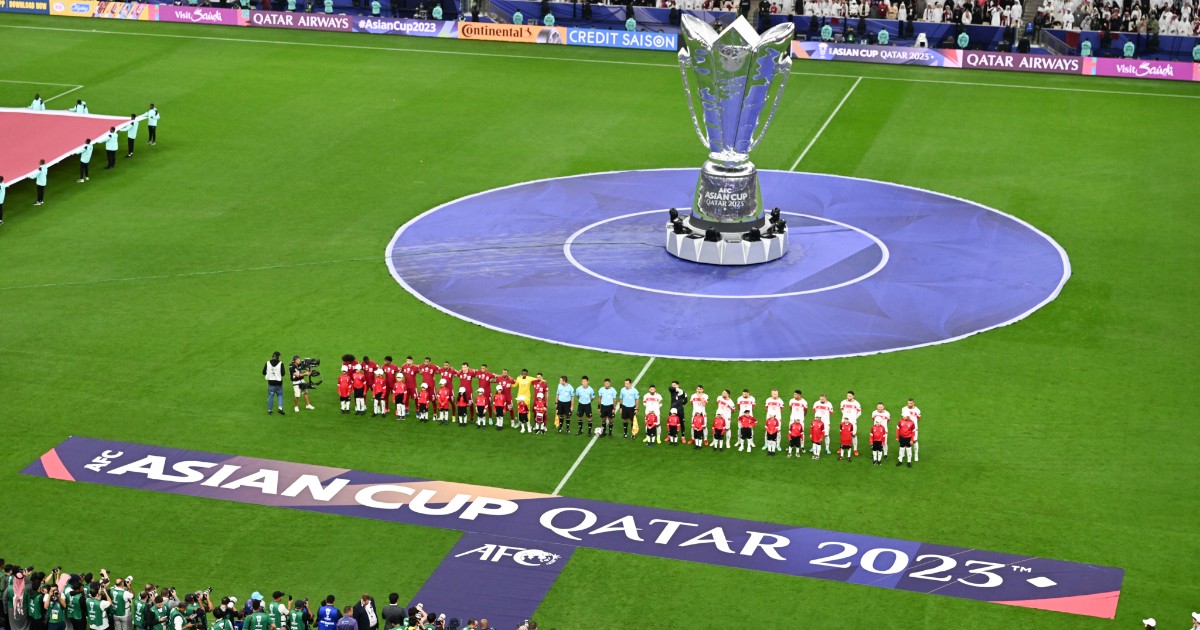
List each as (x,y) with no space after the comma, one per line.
(520,555)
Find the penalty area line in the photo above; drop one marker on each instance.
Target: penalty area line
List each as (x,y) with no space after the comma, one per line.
(827,121)
(595,437)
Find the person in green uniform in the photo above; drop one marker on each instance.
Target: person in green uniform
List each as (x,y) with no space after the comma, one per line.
(35,602)
(56,608)
(328,6)
(296,617)
(40,180)
(1196,53)
(278,610)
(883,37)
(97,608)
(1129,50)
(177,618)
(518,18)
(827,33)
(221,622)
(159,614)
(437,12)
(141,609)
(120,595)
(1085,48)
(257,619)
(964,40)
(548,20)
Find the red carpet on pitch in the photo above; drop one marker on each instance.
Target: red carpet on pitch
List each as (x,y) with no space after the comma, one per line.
(27,136)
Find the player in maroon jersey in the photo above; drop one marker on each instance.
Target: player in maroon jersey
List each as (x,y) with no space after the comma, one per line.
(369,368)
(389,378)
(428,372)
(409,372)
(487,380)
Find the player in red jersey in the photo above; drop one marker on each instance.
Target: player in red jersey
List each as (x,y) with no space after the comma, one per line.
(481,405)
(423,403)
(343,386)
(358,382)
(772,435)
(673,423)
(466,377)
(505,382)
(389,378)
(369,369)
(816,433)
(463,402)
(379,393)
(540,386)
(448,374)
(878,439)
(409,372)
(746,424)
(539,413)
(428,372)
(651,428)
(795,437)
(905,430)
(523,414)
(847,430)
(719,430)
(487,380)
(400,393)
(444,400)
(699,426)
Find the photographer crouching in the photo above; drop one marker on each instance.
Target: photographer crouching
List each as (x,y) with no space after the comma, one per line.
(303,373)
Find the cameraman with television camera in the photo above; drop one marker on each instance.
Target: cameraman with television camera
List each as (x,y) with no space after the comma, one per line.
(303,372)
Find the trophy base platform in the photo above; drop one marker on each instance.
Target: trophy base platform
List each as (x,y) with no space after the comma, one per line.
(730,250)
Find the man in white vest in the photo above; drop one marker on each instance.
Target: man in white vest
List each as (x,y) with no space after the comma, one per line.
(273,372)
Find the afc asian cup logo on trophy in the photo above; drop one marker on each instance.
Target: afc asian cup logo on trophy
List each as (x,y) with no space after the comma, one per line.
(734,80)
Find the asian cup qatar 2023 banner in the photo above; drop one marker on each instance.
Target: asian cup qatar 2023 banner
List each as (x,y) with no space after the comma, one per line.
(533,520)
(898,55)
(405,26)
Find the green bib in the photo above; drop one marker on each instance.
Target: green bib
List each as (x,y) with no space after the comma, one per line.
(296,619)
(119,607)
(139,613)
(95,612)
(56,611)
(75,606)
(35,605)
(278,614)
(159,612)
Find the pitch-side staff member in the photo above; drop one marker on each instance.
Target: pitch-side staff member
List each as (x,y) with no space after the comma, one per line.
(152,125)
(273,372)
(298,385)
(111,142)
(85,158)
(3,192)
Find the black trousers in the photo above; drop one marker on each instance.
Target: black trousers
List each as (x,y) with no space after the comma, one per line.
(41,193)
(129,142)
(112,158)
(83,170)
(153,134)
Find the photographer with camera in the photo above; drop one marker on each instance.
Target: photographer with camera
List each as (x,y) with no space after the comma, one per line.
(301,372)
(122,605)
(178,619)
(98,603)
(55,604)
(198,607)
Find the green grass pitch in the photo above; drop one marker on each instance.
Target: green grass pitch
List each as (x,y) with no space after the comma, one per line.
(141,306)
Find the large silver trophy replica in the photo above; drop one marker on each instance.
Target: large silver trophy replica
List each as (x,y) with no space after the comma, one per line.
(738,77)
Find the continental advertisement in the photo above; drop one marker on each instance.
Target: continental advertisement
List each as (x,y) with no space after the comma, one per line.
(107,10)
(526,34)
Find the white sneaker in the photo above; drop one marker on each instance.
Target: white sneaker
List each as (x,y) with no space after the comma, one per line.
(297,409)
(309,407)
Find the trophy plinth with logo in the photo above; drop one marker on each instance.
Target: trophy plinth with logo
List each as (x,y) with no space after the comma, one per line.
(733,80)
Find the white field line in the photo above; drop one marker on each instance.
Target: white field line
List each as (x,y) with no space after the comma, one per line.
(77,87)
(592,441)
(827,121)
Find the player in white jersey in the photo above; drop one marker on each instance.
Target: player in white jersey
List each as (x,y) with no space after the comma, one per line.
(725,407)
(746,404)
(823,409)
(774,406)
(799,408)
(851,411)
(913,413)
(881,417)
(700,406)
(652,402)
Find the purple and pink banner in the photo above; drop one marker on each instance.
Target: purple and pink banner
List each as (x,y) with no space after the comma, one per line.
(538,526)
(304,21)
(1142,69)
(405,26)
(201,15)
(984,60)
(899,55)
